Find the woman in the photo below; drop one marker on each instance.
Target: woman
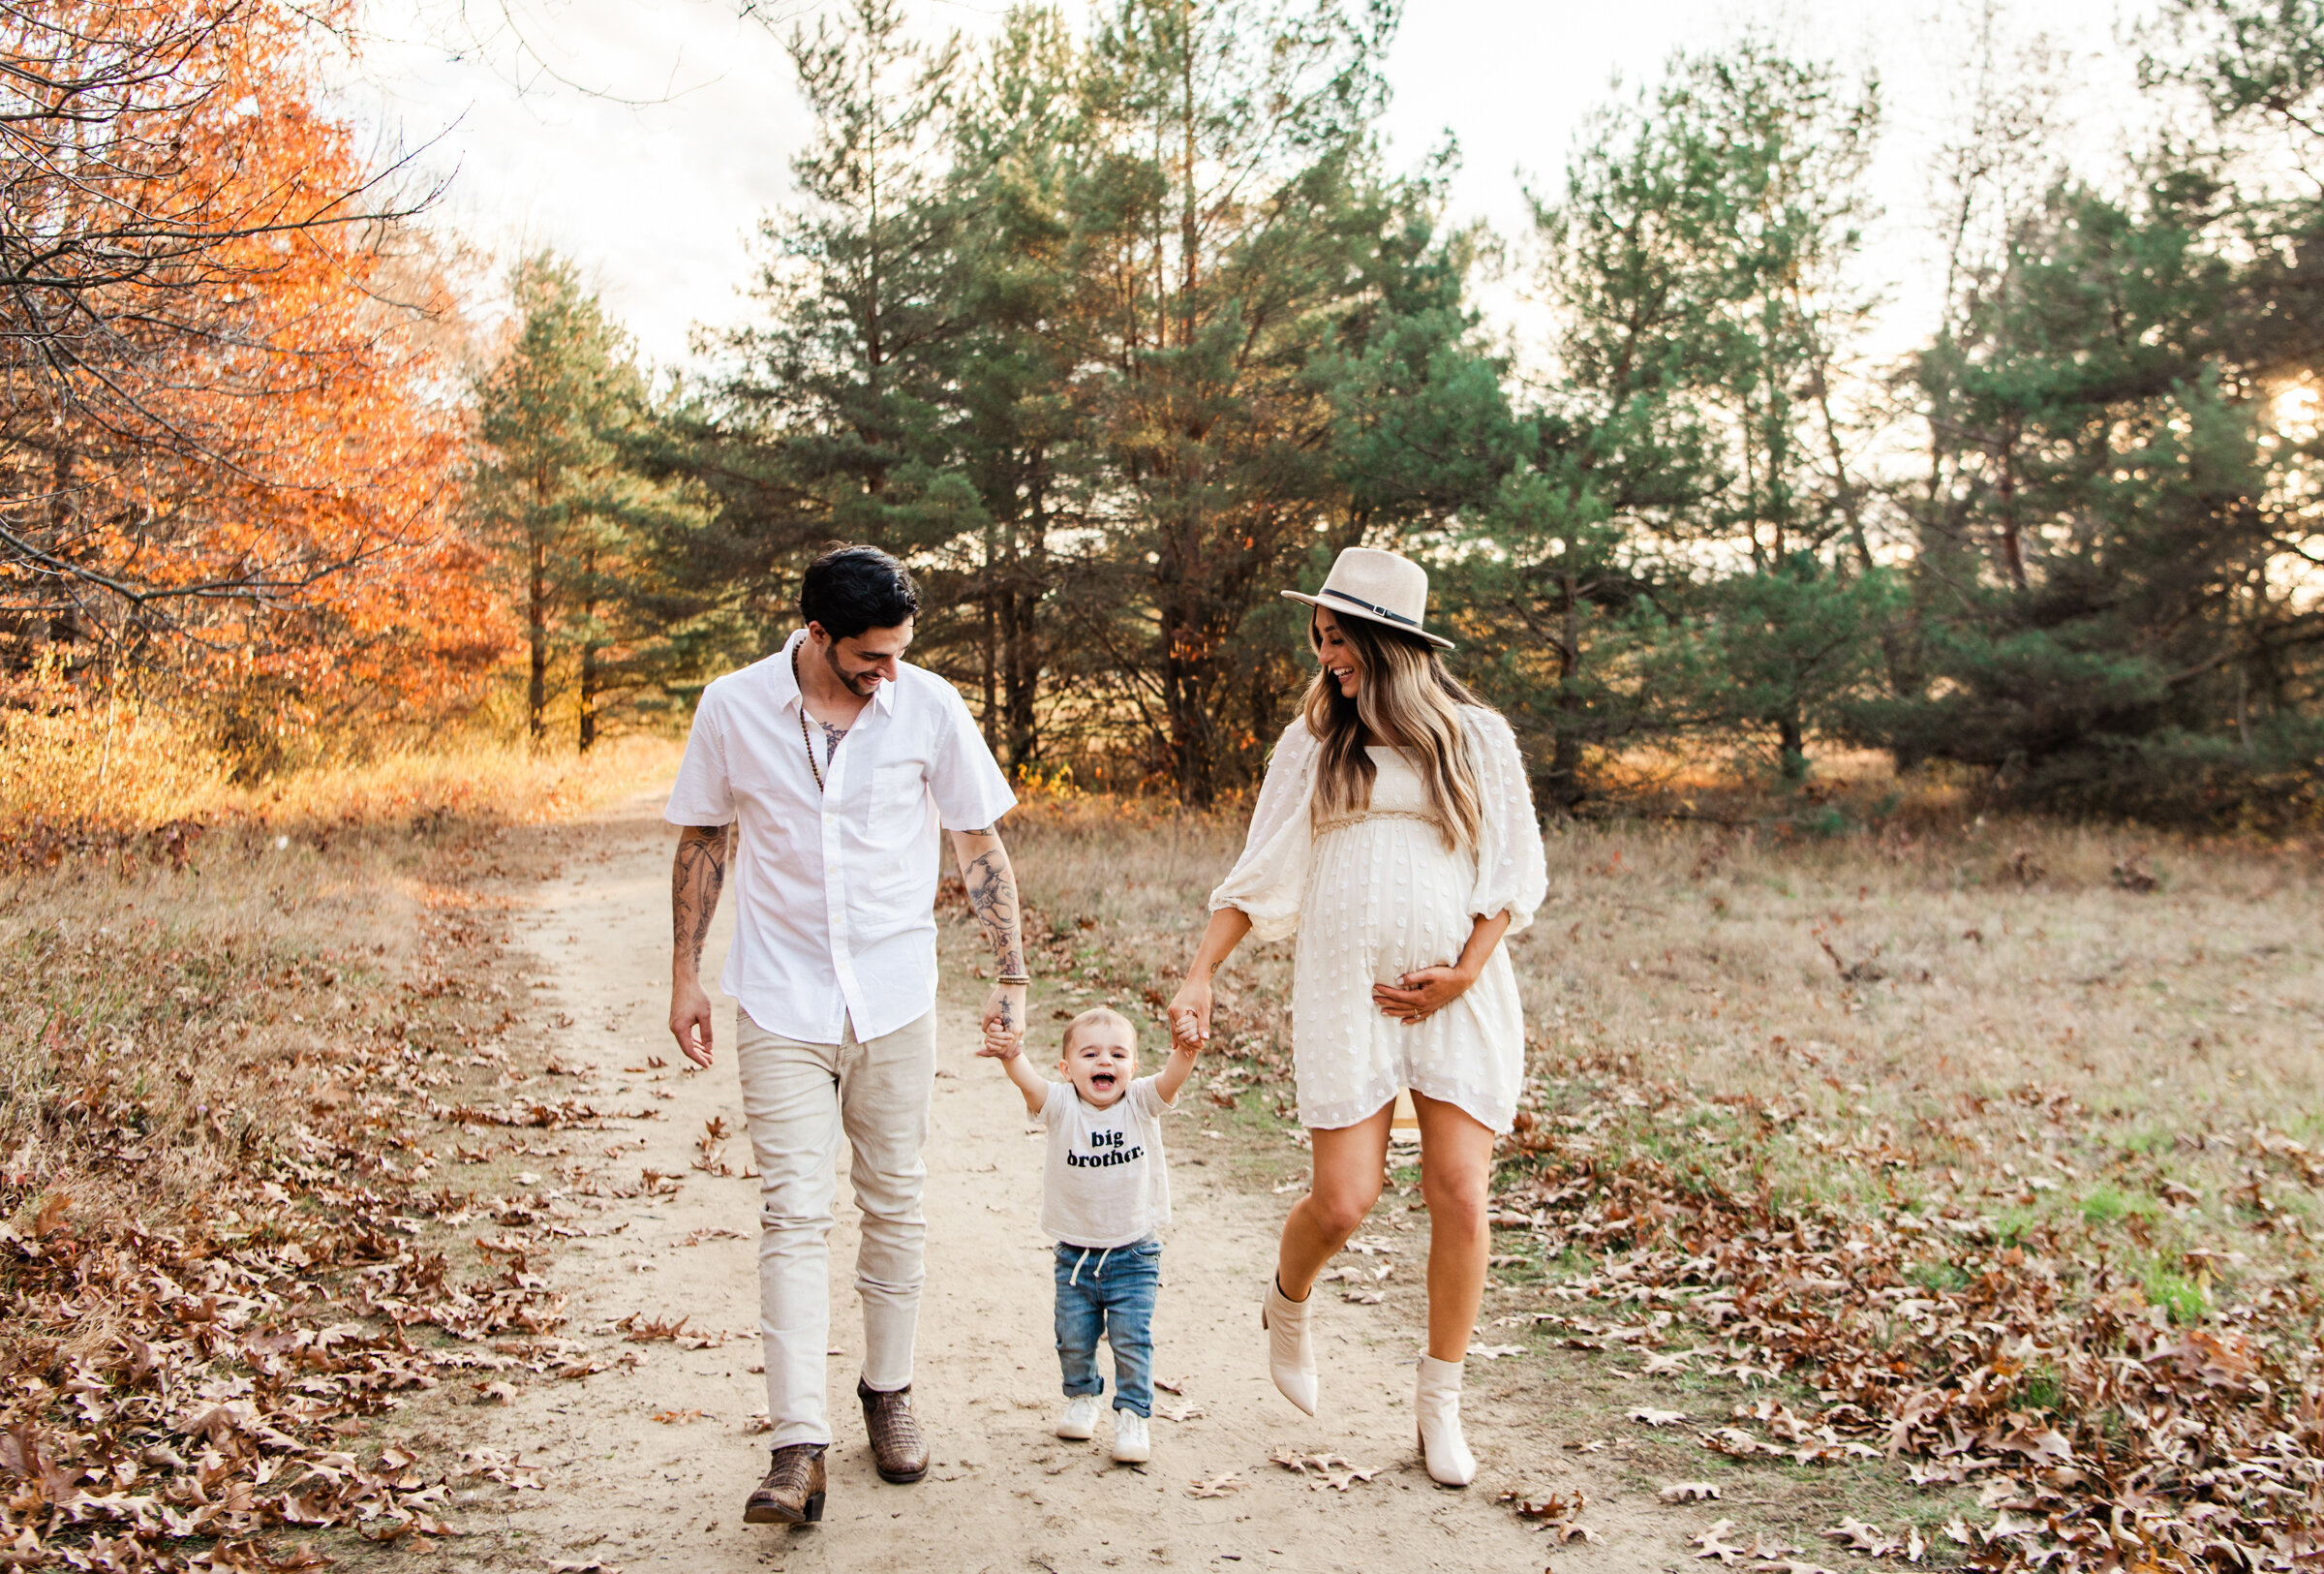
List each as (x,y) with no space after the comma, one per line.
(1395,836)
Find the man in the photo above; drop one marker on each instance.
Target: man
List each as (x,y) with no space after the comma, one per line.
(837,761)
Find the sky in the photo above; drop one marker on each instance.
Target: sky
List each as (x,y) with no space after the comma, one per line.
(645,138)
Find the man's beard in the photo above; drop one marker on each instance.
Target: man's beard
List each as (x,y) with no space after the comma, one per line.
(863,685)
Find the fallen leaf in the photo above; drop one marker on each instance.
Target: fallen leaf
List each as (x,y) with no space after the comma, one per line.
(1690,1492)
(1557,1516)
(1713,1543)
(1859,1536)
(640,1329)
(1335,1470)
(1217,1486)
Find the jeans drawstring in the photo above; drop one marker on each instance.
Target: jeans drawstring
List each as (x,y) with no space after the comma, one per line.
(1075,1279)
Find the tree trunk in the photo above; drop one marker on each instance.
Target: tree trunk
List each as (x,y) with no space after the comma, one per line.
(1562,784)
(1183,697)
(1021,646)
(2013,553)
(989,650)
(590,677)
(537,630)
(1793,744)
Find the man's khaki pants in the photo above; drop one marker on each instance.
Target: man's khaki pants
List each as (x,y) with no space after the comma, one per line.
(798,1098)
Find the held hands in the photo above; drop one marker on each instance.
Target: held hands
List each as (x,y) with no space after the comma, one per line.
(1189,1014)
(1422,993)
(1004,1022)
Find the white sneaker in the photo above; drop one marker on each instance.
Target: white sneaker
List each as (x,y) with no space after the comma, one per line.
(1079,1423)
(1131,1446)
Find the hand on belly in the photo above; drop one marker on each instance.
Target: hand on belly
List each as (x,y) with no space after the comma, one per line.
(1421,993)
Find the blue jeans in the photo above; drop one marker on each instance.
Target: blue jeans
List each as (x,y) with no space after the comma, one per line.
(1109,1294)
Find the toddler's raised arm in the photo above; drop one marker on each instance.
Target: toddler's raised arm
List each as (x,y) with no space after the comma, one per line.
(1173,1076)
(1011,1055)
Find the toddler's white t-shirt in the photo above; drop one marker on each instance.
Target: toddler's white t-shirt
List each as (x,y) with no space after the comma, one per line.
(1107,1182)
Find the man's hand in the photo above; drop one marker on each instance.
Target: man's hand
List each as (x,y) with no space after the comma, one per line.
(690,1021)
(1004,1021)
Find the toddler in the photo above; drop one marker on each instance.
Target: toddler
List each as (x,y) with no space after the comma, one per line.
(1105,1193)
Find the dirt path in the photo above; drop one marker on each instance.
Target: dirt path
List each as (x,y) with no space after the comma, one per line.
(621,1488)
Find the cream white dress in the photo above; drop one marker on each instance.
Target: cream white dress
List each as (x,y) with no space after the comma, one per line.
(1377,894)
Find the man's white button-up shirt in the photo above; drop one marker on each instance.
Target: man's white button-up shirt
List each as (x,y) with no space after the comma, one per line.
(835,890)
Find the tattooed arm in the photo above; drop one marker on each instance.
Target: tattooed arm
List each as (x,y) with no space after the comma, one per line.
(991,883)
(697,876)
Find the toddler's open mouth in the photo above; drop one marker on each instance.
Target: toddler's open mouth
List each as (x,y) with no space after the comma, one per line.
(1101,1082)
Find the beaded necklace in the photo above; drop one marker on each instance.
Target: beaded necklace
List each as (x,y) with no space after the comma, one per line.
(805,742)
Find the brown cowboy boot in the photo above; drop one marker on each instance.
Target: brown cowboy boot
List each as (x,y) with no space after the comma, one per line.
(896,1449)
(792,1494)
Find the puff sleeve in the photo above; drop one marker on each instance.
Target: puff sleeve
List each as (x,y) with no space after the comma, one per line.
(1267,881)
(1512,873)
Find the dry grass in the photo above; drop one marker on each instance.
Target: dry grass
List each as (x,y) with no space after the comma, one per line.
(172,978)
(132,770)
(173,962)
(1914,990)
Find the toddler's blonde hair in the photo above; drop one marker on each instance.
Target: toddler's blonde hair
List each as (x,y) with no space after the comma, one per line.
(1091,1018)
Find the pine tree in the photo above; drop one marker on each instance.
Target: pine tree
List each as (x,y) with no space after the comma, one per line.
(1237,245)
(1687,549)
(557,488)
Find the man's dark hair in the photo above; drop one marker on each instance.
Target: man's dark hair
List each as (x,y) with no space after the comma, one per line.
(849,589)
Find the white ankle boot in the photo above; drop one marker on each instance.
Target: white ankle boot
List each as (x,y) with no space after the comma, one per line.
(1290,1357)
(1436,1404)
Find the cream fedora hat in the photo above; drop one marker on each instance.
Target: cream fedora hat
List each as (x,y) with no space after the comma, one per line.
(1382,587)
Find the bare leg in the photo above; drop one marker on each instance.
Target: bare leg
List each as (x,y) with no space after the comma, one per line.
(1456,1166)
(1350,1161)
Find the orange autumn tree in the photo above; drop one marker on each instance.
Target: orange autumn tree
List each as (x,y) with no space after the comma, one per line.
(226,456)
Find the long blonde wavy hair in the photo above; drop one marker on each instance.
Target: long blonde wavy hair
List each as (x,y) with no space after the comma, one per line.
(1406,697)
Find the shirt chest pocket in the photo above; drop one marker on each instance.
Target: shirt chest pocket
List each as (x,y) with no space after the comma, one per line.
(896,809)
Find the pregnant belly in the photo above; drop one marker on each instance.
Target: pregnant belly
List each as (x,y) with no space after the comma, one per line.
(1384,896)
